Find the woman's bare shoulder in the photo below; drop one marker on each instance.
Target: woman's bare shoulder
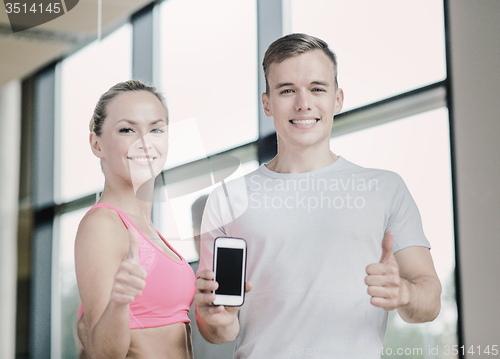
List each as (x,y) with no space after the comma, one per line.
(101,245)
(102,227)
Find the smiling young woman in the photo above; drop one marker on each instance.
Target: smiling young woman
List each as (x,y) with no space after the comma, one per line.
(136,290)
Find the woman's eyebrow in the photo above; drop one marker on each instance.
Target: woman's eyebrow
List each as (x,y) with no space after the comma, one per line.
(129,121)
(135,123)
(155,122)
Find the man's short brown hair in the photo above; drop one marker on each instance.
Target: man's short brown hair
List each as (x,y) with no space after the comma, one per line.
(293,45)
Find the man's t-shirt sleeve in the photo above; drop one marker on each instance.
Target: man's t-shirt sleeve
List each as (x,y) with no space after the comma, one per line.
(404,218)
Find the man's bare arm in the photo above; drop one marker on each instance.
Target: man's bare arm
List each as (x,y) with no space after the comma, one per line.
(406,281)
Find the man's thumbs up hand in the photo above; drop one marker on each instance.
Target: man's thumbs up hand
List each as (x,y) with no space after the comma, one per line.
(387,254)
(383,279)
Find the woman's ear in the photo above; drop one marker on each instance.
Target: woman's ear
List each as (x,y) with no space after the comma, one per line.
(95,144)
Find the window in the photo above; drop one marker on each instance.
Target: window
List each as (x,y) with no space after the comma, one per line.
(209,75)
(65,278)
(85,76)
(384,48)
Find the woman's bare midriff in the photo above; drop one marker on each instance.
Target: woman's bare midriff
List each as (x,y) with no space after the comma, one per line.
(170,341)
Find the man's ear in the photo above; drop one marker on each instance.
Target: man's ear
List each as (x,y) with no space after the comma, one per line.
(265,103)
(95,144)
(339,101)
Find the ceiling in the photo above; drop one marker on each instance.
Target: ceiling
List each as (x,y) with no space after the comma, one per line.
(23,53)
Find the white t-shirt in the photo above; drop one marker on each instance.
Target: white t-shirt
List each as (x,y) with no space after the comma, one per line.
(310,237)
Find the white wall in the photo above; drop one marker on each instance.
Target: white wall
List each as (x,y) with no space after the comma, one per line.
(10,123)
(475,65)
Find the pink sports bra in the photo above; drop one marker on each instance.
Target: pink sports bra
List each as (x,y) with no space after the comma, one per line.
(169,289)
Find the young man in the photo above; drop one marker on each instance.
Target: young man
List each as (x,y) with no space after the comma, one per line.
(332,246)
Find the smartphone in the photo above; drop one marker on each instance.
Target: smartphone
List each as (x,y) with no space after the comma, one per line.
(230,258)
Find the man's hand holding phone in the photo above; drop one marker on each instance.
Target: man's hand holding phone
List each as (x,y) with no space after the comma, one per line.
(204,297)
(220,293)
(222,320)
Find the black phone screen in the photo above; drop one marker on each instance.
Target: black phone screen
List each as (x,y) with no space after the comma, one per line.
(229,271)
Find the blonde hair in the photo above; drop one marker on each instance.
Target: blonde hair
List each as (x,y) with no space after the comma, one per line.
(100,114)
